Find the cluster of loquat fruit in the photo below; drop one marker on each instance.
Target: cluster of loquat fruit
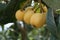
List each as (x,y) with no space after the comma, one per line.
(30,17)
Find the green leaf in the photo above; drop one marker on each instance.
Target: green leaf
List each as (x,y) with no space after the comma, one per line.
(52,37)
(59,27)
(58,11)
(51,26)
(55,4)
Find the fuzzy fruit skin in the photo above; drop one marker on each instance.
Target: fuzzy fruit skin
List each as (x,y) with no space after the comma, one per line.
(28,8)
(27,16)
(19,15)
(38,20)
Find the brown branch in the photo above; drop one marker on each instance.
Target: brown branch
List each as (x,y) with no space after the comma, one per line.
(23,31)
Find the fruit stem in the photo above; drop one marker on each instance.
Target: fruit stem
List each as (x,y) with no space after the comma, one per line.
(36,9)
(35,6)
(40,5)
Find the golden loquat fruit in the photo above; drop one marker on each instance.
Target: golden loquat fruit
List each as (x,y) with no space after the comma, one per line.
(19,15)
(28,13)
(38,20)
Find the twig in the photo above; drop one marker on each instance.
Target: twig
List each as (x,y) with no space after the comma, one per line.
(41,9)
(23,31)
